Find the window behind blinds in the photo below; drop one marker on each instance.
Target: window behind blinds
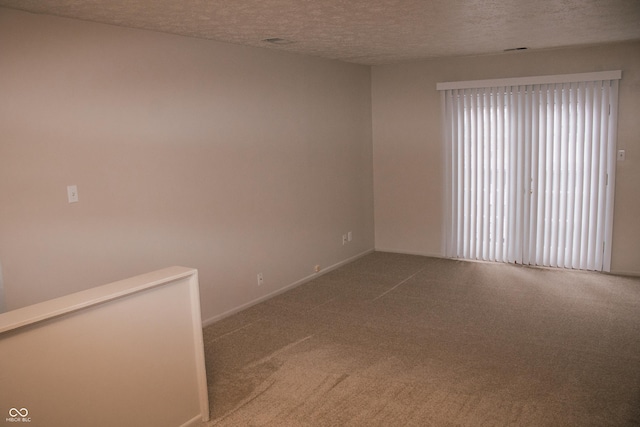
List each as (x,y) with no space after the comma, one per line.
(530,169)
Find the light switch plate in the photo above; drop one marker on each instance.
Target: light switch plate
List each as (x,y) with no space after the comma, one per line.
(72,193)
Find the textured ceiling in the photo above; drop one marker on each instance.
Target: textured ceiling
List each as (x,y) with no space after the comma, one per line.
(369,31)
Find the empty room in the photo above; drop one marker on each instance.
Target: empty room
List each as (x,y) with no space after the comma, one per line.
(366,213)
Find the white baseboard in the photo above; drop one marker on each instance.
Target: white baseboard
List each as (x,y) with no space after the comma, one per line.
(228,313)
(195,421)
(625,273)
(398,251)
(431,255)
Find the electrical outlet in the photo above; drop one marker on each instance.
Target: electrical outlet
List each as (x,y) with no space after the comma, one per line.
(260,279)
(621,155)
(72,193)
(344,239)
(349,236)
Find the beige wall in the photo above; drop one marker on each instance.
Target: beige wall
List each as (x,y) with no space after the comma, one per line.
(407,141)
(228,159)
(234,160)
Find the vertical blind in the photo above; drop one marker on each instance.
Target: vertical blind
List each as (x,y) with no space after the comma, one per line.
(530,166)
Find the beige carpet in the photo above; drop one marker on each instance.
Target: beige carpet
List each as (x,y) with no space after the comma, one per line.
(398,340)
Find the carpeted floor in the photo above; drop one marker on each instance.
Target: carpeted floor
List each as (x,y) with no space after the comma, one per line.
(399,340)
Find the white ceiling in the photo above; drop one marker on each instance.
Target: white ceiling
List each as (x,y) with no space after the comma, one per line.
(369,31)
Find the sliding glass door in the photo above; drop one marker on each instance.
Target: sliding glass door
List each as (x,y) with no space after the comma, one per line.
(530,169)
